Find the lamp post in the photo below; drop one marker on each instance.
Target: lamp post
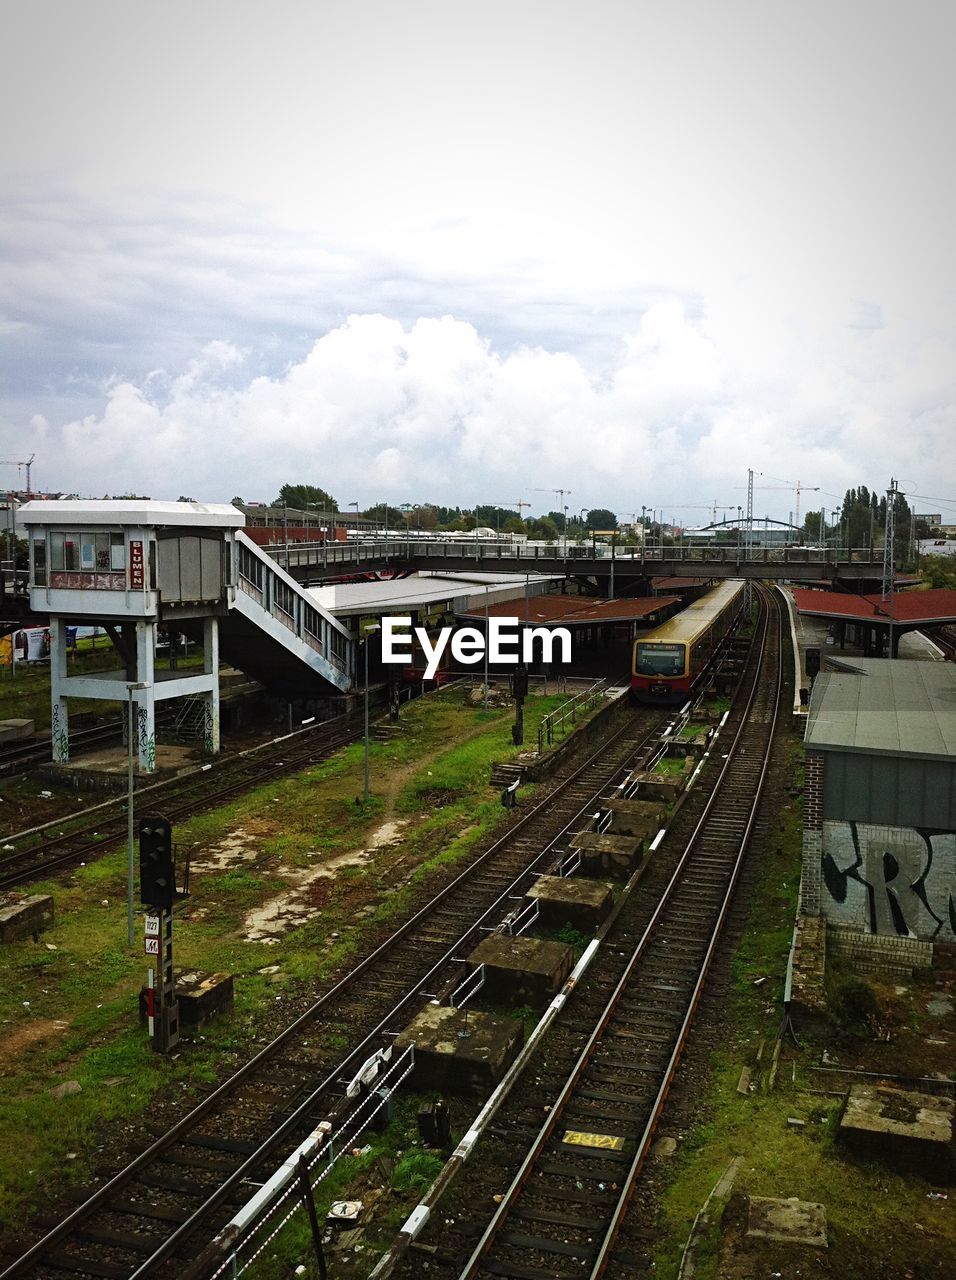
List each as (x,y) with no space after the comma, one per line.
(368,632)
(131,685)
(487,646)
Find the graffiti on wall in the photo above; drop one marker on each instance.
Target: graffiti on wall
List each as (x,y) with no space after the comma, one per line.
(59,734)
(210,728)
(890,880)
(147,742)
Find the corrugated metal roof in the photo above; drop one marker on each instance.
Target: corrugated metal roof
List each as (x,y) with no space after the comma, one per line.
(576,610)
(903,708)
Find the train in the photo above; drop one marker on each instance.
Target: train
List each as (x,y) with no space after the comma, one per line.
(669,663)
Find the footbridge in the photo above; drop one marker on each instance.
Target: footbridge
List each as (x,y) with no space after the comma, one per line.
(132,567)
(319,562)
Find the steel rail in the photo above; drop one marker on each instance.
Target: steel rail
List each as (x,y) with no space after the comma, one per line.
(488,1237)
(605,1253)
(190,1121)
(193,792)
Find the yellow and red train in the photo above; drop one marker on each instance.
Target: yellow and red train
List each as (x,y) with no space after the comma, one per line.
(669,662)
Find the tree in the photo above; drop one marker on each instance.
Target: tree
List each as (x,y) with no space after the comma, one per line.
(303,496)
(391,516)
(940,571)
(543,528)
(601,518)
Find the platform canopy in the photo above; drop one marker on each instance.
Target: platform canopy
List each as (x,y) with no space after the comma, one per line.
(911,608)
(579,611)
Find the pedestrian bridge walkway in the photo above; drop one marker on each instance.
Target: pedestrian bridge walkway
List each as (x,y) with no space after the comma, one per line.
(318,561)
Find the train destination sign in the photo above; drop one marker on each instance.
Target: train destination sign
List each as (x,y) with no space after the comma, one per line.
(509,642)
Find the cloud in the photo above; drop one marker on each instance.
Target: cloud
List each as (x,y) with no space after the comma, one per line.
(430,410)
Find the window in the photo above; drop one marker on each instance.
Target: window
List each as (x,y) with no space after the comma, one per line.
(117,552)
(39,561)
(88,552)
(71,551)
(57,553)
(660,659)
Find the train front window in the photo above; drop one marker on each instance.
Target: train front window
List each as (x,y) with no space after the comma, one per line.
(660,659)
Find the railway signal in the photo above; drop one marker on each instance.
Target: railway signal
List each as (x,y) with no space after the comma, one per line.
(157,891)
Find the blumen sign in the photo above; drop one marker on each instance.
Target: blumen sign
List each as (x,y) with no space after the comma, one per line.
(136,575)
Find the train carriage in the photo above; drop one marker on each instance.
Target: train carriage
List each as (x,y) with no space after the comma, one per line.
(669,662)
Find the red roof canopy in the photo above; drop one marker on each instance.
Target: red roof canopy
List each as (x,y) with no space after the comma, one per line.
(928,607)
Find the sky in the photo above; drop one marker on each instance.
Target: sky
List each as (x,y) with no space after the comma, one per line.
(472,253)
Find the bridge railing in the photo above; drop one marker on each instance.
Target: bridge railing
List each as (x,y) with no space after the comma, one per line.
(334,554)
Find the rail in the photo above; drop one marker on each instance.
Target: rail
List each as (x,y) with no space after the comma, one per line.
(558,812)
(332,555)
(569,710)
(741,765)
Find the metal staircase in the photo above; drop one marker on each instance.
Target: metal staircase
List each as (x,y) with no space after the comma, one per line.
(277,633)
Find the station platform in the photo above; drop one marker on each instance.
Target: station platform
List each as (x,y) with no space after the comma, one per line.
(821,630)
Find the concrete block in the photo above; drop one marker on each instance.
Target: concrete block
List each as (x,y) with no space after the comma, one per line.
(201,996)
(906,1129)
(658,786)
(641,818)
(616,855)
(461,1051)
(572,900)
(525,971)
(787,1221)
(26,918)
(16,730)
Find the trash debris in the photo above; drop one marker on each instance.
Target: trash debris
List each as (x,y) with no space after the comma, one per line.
(345,1210)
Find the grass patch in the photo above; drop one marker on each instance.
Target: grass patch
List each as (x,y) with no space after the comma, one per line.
(865,1202)
(68,1002)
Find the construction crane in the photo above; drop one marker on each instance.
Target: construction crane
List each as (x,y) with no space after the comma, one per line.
(712,507)
(10,462)
(797,485)
(558,493)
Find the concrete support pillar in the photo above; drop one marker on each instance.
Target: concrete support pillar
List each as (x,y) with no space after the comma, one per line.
(59,713)
(145,699)
(210,642)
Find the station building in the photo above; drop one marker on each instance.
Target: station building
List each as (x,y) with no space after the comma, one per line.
(879,841)
(131,566)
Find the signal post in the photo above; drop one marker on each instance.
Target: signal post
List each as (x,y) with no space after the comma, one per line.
(157,877)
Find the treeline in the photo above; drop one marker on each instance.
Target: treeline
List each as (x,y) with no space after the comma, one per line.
(433,516)
(861,522)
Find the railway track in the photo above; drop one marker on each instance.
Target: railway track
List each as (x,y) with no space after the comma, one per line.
(86,732)
(152,1216)
(567,1150)
(64,842)
(23,755)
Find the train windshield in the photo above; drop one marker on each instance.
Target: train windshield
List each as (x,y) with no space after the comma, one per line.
(660,659)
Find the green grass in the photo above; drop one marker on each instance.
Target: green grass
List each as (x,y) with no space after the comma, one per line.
(25,688)
(865,1203)
(90,981)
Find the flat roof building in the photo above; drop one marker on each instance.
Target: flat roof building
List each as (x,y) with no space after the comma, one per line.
(879,849)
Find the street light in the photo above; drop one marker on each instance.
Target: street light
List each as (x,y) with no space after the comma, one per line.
(487,647)
(369,631)
(131,686)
